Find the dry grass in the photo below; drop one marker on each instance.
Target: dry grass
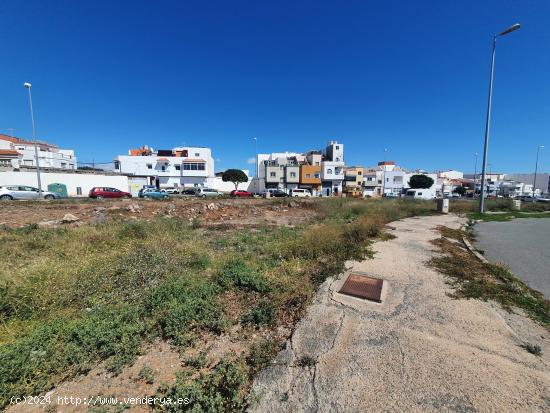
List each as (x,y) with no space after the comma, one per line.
(472,278)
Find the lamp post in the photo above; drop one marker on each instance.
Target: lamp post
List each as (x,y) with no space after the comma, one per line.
(488,119)
(475,173)
(384,175)
(536,170)
(28,87)
(256,149)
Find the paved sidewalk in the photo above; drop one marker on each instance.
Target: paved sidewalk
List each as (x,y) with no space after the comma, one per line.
(419,350)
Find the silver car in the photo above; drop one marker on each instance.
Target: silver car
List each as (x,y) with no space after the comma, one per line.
(9,192)
(207,192)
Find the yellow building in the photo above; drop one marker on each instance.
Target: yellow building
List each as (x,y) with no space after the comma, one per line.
(353,181)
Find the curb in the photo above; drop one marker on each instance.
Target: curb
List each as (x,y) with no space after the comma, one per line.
(474,251)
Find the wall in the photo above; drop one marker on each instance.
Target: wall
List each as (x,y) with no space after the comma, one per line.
(310,170)
(71,180)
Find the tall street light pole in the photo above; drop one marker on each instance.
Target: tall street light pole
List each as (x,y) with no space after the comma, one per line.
(488,120)
(475,173)
(256,149)
(28,86)
(536,170)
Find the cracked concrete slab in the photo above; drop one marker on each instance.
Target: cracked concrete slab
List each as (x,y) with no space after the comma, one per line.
(419,350)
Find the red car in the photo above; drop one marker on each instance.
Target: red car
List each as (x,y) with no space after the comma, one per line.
(241,194)
(99,192)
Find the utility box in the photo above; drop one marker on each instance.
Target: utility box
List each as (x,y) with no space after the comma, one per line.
(443,206)
(516,204)
(60,189)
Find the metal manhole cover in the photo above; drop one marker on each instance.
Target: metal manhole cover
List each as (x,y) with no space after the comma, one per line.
(364,287)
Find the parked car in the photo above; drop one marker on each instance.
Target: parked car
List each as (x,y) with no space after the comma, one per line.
(9,192)
(299,192)
(276,193)
(100,192)
(153,193)
(171,191)
(189,192)
(543,199)
(390,195)
(207,192)
(237,193)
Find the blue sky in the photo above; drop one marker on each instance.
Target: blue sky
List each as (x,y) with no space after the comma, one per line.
(410,76)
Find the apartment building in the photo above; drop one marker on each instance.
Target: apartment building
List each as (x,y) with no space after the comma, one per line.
(310,172)
(332,169)
(17,152)
(165,168)
(353,181)
(320,171)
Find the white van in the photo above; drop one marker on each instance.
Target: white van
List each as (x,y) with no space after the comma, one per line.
(299,192)
(420,194)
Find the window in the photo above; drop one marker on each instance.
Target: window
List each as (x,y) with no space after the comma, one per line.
(337,148)
(163,168)
(149,166)
(178,167)
(293,174)
(317,175)
(329,171)
(78,190)
(370,178)
(197,154)
(192,166)
(272,174)
(117,165)
(63,164)
(359,173)
(308,176)
(420,193)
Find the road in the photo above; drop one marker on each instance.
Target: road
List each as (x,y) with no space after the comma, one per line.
(522,245)
(420,350)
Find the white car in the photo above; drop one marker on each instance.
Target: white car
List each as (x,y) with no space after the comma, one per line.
(207,192)
(171,191)
(11,192)
(300,193)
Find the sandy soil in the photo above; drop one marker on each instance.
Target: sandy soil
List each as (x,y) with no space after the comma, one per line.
(420,350)
(233,212)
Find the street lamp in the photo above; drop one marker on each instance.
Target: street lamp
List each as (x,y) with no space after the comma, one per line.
(475,173)
(384,174)
(488,120)
(28,86)
(536,170)
(256,149)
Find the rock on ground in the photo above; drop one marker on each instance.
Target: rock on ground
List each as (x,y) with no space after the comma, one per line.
(419,350)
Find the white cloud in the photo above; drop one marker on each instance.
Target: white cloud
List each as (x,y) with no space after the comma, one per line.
(251,161)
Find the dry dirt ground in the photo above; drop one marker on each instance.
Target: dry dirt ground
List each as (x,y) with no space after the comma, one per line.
(233,212)
(420,350)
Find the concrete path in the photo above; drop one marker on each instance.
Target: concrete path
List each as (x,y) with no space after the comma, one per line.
(521,244)
(419,350)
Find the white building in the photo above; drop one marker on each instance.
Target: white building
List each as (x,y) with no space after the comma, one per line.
(451,174)
(78,184)
(332,169)
(49,156)
(177,167)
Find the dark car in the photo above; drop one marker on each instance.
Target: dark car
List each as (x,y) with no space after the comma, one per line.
(189,192)
(277,193)
(241,194)
(100,192)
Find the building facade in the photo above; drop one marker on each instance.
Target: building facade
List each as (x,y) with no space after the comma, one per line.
(322,172)
(177,167)
(18,152)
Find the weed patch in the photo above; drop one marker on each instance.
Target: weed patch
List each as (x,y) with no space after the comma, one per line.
(472,278)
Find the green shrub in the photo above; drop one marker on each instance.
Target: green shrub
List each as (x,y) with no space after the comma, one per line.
(260,355)
(261,314)
(222,390)
(60,349)
(236,273)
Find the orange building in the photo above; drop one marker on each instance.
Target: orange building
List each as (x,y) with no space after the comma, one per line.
(310,177)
